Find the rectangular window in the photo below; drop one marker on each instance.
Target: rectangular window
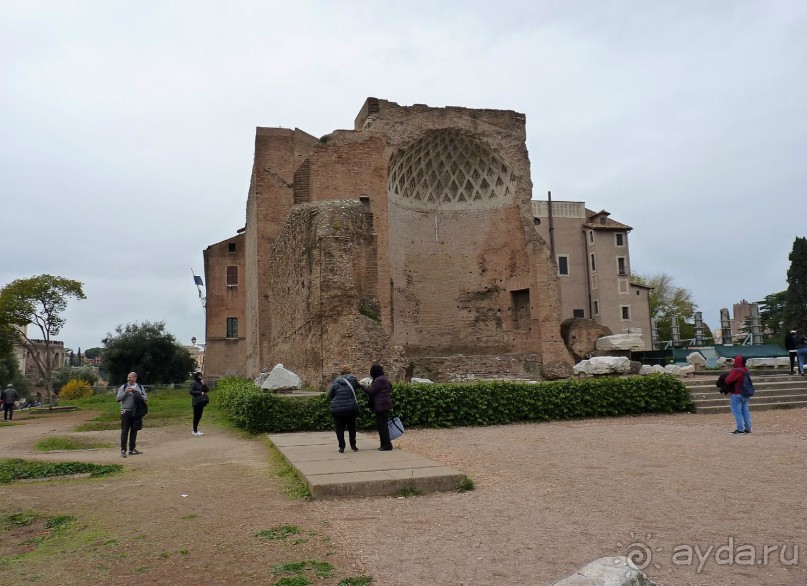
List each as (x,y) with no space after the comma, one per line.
(232,276)
(578,313)
(563,265)
(231,248)
(594,283)
(596,304)
(621,266)
(232,327)
(591,236)
(620,239)
(593,264)
(625,312)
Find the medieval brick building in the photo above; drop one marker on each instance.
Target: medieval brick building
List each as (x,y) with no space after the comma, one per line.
(409,240)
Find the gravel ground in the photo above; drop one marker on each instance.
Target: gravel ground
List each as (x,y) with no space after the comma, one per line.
(679,492)
(552,497)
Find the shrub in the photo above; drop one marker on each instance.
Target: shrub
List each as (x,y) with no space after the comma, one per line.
(450,405)
(75,389)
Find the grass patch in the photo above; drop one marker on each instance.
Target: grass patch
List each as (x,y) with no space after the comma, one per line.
(166,406)
(292,484)
(355,581)
(17,520)
(16,469)
(59,443)
(408,491)
(466,484)
(320,569)
(280,532)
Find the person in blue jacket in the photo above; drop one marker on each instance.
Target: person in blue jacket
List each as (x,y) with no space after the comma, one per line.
(345,407)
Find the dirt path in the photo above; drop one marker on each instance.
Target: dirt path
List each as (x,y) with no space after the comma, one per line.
(141,529)
(549,498)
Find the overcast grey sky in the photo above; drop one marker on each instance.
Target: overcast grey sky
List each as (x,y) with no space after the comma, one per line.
(127,129)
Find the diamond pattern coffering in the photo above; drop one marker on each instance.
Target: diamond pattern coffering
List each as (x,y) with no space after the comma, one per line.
(449,168)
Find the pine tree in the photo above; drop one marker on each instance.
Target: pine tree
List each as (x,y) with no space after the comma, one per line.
(795,310)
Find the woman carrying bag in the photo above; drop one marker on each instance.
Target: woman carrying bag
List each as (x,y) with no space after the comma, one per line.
(380,393)
(199,393)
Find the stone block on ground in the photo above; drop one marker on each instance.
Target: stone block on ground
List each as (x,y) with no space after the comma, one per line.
(608,571)
(282,379)
(603,365)
(620,342)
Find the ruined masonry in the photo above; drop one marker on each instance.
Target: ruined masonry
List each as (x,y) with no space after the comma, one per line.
(407,241)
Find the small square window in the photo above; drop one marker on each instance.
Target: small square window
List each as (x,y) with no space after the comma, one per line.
(578,313)
(231,248)
(625,312)
(620,239)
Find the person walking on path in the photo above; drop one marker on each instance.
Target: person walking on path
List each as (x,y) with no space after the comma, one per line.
(127,395)
(9,395)
(380,393)
(199,393)
(345,407)
(739,403)
(791,345)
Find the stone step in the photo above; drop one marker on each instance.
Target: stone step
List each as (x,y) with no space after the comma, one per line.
(754,407)
(757,399)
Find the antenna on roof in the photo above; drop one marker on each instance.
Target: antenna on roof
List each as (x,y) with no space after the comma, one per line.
(199,284)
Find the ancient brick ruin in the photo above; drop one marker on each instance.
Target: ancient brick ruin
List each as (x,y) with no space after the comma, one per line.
(408,241)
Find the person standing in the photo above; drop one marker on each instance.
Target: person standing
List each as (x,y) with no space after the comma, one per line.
(791,345)
(380,393)
(739,403)
(127,395)
(198,391)
(345,407)
(9,397)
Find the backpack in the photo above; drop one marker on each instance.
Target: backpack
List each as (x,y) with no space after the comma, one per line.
(747,387)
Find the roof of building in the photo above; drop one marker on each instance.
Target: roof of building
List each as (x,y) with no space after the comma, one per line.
(601,221)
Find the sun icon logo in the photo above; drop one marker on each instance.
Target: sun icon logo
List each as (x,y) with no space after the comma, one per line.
(639,551)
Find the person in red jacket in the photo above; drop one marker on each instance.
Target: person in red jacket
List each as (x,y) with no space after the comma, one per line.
(739,404)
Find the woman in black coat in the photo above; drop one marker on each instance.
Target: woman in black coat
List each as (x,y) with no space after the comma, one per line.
(345,407)
(380,393)
(199,393)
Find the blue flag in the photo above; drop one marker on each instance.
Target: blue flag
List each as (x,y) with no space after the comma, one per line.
(198,280)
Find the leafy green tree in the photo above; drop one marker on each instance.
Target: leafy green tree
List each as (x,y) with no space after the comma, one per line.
(771,316)
(92,353)
(147,349)
(794,313)
(62,376)
(37,301)
(668,300)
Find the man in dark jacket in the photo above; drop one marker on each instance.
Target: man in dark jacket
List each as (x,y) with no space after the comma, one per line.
(739,403)
(791,345)
(9,396)
(345,407)
(128,419)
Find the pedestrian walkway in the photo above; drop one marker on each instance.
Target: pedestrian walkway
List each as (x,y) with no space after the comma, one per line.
(368,472)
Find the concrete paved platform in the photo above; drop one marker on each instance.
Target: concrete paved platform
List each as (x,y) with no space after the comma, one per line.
(316,459)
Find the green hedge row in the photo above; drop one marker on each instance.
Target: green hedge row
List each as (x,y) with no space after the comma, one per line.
(451,405)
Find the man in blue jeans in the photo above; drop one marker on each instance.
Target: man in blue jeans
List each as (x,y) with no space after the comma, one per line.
(739,403)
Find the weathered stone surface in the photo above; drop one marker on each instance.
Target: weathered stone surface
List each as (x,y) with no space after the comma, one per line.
(635,367)
(697,359)
(281,379)
(580,336)
(261,379)
(763,362)
(424,381)
(648,369)
(603,365)
(608,571)
(620,342)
